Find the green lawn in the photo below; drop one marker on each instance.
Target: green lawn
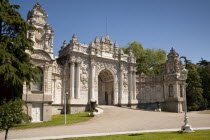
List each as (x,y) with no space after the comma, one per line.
(198,135)
(57,120)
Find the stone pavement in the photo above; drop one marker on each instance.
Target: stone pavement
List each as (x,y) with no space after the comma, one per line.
(116,120)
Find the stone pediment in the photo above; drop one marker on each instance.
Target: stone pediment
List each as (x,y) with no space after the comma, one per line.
(41,55)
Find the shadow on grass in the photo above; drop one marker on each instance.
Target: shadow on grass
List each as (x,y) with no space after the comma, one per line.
(135,134)
(86,116)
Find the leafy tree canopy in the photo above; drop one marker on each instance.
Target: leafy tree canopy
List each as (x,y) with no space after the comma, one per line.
(195,100)
(149,61)
(204,70)
(11,113)
(15,65)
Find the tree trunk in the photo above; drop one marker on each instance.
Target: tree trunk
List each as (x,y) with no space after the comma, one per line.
(6,134)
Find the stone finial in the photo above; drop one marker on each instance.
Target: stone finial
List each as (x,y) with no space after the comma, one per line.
(64,43)
(173,64)
(74,36)
(115,45)
(130,52)
(173,54)
(74,40)
(37,11)
(37,6)
(106,40)
(121,51)
(102,40)
(142,74)
(107,37)
(92,44)
(97,40)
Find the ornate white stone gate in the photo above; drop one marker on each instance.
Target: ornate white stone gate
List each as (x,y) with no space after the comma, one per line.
(83,65)
(99,71)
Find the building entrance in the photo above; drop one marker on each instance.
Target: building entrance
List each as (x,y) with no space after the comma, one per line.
(105,88)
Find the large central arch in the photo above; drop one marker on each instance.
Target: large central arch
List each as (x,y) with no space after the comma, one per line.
(105,87)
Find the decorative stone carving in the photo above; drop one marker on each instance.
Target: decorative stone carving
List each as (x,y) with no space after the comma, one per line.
(41,56)
(58,85)
(84,78)
(39,35)
(44,35)
(37,14)
(95,82)
(173,64)
(74,40)
(31,34)
(97,41)
(125,80)
(72,59)
(64,44)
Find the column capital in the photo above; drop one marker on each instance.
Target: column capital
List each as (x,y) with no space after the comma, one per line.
(72,62)
(79,62)
(93,63)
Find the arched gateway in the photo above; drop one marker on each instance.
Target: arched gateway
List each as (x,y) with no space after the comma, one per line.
(105,88)
(98,71)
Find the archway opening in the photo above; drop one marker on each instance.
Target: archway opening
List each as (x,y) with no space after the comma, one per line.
(105,88)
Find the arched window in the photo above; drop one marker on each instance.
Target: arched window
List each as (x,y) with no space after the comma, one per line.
(38,85)
(181,91)
(171,90)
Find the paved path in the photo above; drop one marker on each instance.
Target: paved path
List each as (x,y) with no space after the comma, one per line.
(117,119)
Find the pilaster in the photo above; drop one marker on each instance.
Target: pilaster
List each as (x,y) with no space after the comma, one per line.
(72,67)
(120,85)
(134,85)
(92,76)
(78,80)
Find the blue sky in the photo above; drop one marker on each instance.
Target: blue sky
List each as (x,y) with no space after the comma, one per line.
(160,24)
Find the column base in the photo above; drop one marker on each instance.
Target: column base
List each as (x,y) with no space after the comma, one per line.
(186,128)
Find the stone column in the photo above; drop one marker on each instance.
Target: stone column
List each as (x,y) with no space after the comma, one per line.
(130,85)
(78,81)
(176,89)
(134,85)
(72,79)
(120,85)
(92,76)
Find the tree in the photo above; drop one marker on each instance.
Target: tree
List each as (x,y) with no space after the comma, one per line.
(15,65)
(186,61)
(204,70)
(149,61)
(195,100)
(11,113)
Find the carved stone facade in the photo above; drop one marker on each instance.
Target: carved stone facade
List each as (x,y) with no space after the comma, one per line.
(99,71)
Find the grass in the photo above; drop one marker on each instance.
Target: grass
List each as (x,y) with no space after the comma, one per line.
(198,135)
(57,120)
